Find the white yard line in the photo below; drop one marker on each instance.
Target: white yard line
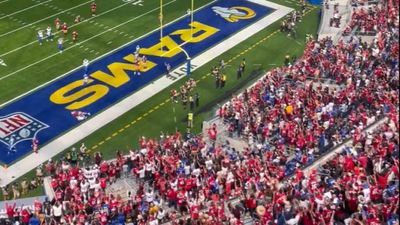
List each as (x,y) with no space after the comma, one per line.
(22,10)
(66,49)
(4,1)
(90,19)
(88,127)
(38,21)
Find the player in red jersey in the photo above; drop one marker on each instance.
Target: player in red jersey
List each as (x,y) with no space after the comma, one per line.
(35,145)
(93,8)
(57,23)
(74,36)
(64,29)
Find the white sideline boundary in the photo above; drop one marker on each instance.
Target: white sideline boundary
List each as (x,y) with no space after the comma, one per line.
(75,135)
(82,42)
(22,10)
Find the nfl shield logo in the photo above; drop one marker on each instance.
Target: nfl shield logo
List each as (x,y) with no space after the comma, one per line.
(18,127)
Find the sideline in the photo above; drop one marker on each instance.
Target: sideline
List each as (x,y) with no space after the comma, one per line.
(7,175)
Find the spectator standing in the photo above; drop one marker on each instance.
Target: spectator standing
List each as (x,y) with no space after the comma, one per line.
(197,99)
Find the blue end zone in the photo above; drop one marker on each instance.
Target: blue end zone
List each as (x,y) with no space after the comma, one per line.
(36,116)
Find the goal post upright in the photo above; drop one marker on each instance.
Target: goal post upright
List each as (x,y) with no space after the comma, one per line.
(180,46)
(160,17)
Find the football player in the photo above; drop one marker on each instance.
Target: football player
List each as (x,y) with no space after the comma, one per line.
(11,144)
(93,8)
(40,36)
(64,29)
(136,65)
(85,79)
(79,115)
(74,36)
(144,62)
(60,45)
(49,34)
(168,68)
(77,19)
(35,145)
(57,23)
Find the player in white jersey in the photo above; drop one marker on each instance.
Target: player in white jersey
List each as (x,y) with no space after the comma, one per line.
(49,34)
(60,42)
(11,144)
(40,37)
(137,49)
(85,79)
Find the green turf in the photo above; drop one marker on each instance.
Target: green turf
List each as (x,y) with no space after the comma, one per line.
(268,53)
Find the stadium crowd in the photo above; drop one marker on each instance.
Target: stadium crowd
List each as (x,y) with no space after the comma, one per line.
(368,19)
(289,120)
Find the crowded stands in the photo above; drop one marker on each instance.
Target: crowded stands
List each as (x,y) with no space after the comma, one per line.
(289,119)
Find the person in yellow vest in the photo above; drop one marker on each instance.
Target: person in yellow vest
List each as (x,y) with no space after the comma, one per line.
(223,80)
(289,109)
(190,120)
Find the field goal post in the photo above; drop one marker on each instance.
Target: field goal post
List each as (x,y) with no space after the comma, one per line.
(180,46)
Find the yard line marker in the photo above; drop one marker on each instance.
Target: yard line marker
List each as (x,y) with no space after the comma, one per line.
(3,2)
(108,138)
(86,49)
(114,134)
(101,142)
(121,130)
(30,7)
(109,42)
(38,21)
(121,32)
(91,51)
(127,126)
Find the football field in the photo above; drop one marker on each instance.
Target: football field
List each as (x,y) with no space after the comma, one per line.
(110,37)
